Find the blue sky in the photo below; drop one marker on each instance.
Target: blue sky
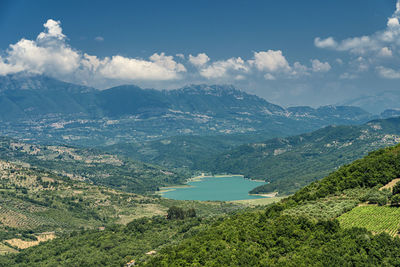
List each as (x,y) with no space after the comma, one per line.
(289,52)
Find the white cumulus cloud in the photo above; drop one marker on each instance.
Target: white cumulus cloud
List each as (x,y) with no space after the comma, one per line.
(50,54)
(222,68)
(299,69)
(47,54)
(388,72)
(51,59)
(52,30)
(160,68)
(200,60)
(318,66)
(271,60)
(325,43)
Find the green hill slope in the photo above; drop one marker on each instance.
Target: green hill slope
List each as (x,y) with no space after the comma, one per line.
(92,166)
(300,230)
(293,162)
(279,237)
(36,205)
(34,200)
(183,151)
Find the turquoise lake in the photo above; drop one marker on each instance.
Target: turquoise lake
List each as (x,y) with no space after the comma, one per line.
(225,188)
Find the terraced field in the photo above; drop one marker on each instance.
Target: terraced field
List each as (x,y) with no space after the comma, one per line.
(374,218)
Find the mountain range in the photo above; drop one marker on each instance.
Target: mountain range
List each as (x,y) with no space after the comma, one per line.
(43,109)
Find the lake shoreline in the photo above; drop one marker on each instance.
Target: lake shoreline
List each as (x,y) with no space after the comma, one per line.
(170,188)
(229,187)
(200,177)
(272,194)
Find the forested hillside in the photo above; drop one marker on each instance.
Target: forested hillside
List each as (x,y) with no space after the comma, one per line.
(293,162)
(299,230)
(184,151)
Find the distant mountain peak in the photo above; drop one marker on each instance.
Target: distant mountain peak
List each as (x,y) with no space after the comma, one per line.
(214,89)
(26,81)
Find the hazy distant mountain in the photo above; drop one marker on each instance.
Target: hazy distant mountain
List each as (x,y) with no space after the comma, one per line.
(219,99)
(334,114)
(32,96)
(42,108)
(388,113)
(376,103)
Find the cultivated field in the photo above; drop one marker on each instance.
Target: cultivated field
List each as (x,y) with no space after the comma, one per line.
(374,218)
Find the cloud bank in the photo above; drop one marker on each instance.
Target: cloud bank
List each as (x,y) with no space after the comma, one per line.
(50,54)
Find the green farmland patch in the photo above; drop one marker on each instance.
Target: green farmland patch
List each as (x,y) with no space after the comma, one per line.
(374,218)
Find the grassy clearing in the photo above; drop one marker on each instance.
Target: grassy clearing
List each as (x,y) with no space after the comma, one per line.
(374,218)
(144,210)
(23,244)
